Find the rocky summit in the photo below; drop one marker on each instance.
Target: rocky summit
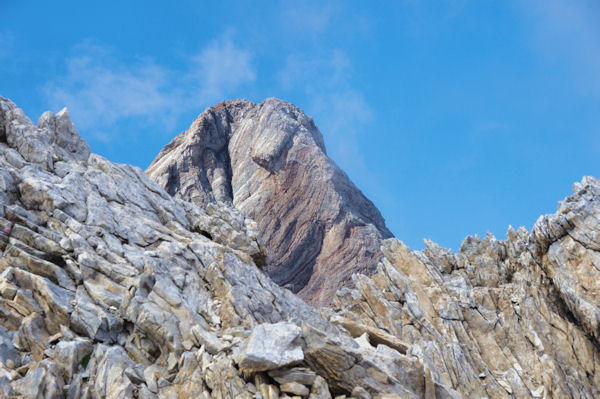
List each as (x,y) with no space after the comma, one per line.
(113,287)
(268,160)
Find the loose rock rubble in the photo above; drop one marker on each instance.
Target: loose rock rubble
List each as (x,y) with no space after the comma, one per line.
(112,288)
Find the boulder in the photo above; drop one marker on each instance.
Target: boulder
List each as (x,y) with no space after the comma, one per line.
(271,346)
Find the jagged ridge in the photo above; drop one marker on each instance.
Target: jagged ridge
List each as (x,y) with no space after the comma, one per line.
(514,318)
(110,287)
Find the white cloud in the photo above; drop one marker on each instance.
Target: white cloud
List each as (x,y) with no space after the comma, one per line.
(101,89)
(221,67)
(339,109)
(6,44)
(307,17)
(304,70)
(422,18)
(568,31)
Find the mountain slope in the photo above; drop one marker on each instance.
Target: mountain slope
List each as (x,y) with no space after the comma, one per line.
(499,319)
(112,288)
(269,161)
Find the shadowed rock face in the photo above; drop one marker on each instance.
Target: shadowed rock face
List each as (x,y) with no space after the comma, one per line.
(269,161)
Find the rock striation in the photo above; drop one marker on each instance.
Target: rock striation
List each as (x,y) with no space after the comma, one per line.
(112,288)
(269,161)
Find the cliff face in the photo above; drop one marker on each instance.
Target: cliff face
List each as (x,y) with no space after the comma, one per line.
(514,318)
(269,161)
(112,288)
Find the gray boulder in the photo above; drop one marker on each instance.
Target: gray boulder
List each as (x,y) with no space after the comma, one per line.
(272,346)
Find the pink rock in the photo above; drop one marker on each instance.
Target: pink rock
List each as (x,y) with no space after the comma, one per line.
(269,161)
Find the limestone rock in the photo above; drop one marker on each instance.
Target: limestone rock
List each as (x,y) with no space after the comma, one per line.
(270,162)
(301,375)
(108,365)
(513,318)
(69,354)
(272,346)
(295,388)
(67,142)
(210,341)
(320,390)
(41,382)
(111,287)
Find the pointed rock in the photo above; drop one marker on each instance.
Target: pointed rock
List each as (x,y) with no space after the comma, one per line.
(269,160)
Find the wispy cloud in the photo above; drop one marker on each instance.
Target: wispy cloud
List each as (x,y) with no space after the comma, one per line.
(6,44)
(300,70)
(324,76)
(102,89)
(425,17)
(339,108)
(568,31)
(315,22)
(308,17)
(221,67)
(488,128)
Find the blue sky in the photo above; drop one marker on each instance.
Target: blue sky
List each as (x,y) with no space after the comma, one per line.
(455,117)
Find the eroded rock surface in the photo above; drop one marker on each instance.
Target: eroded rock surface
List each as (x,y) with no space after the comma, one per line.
(499,319)
(269,161)
(112,288)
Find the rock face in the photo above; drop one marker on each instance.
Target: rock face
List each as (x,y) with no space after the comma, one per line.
(272,346)
(269,161)
(514,318)
(112,288)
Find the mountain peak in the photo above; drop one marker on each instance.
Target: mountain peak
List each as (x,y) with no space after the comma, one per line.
(269,161)
(110,287)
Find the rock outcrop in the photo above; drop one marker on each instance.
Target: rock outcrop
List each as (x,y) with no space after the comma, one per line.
(269,161)
(499,319)
(112,288)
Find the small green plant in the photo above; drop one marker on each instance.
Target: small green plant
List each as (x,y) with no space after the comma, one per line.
(54,280)
(9,246)
(61,159)
(85,360)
